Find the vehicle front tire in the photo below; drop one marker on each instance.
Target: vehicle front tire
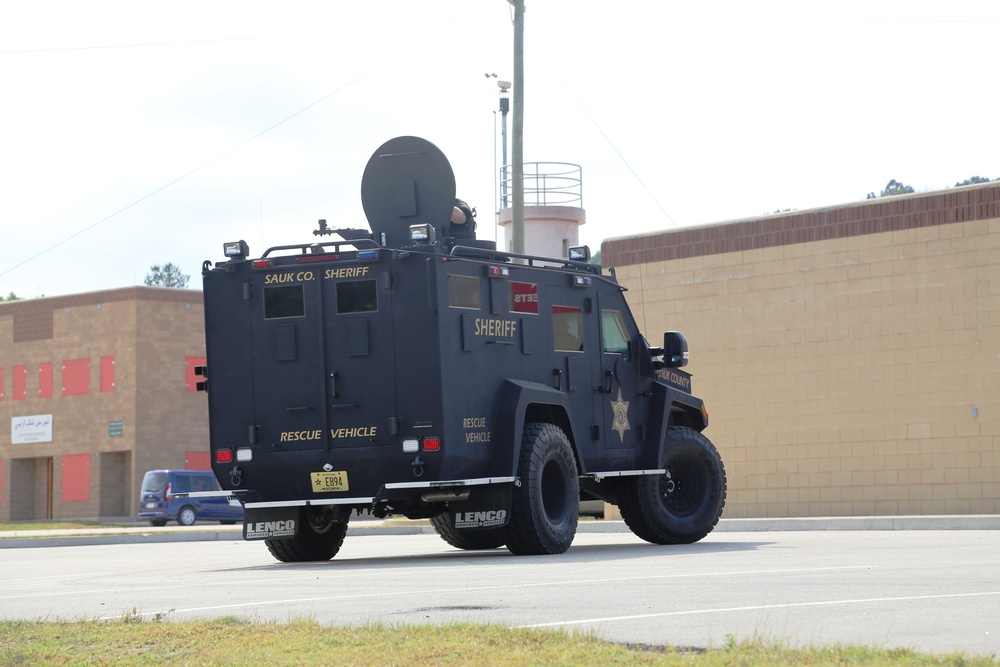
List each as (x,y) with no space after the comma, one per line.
(319,537)
(470,540)
(683,505)
(545,506)
(159,523)
(187,516)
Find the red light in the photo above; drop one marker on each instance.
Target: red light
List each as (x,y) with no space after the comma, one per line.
(224,456)
(168,491)
(432,444)
(261,263)
(316,258)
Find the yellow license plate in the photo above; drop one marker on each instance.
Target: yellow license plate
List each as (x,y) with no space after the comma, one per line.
(324,482)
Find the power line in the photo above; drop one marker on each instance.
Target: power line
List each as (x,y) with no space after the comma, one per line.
(182,177)
(129,46)
(618,152)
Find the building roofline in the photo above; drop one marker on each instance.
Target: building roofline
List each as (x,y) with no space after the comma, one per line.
(869,216)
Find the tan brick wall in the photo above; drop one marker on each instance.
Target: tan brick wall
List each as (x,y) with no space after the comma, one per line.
(148,331)
(849,376)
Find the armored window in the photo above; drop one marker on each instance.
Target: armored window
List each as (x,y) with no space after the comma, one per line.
(614,335)
(357,296)
(463,292)
(567,328)
(284,301)
(522,297)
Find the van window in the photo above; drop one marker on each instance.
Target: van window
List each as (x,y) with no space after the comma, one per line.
(153,482)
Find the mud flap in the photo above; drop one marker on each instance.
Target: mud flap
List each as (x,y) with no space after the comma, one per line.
(269,523)
(487,507)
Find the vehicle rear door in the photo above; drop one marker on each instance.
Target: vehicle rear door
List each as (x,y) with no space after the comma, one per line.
(288,364)
(358,348)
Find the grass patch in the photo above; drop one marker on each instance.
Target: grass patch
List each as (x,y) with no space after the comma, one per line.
(232,641)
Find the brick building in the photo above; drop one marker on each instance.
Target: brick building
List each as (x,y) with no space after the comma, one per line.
(849,356)
(95,389)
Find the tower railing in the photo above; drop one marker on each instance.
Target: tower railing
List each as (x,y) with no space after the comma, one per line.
(545,184)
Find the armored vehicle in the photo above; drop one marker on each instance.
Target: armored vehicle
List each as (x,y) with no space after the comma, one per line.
(399,371)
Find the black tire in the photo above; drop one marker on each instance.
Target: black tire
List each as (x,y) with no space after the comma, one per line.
(546,506)
(683,505)
(186,516)
(318,538)
(470,540)
(159,523)
(227,522)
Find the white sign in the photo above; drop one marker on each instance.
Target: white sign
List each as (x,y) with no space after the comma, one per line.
(30,428)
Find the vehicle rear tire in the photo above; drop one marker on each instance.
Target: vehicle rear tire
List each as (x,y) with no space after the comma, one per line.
(546,506)
(683,505)
(470,540)
(319,538)
(187,516)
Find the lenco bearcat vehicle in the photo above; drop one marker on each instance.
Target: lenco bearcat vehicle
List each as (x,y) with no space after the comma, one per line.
(402,372)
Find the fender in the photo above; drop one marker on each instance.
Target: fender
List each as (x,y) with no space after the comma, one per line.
(669,406)
(514,398)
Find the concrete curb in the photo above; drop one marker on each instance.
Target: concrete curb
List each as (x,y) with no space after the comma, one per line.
(208,533)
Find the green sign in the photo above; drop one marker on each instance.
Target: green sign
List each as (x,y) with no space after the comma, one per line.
(115,429)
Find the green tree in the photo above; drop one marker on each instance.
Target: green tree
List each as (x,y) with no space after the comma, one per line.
(972,181)
(11,297)
(892,188)
(596,258)
(167,275)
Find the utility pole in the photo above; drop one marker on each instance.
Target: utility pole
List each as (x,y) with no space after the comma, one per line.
(517,212)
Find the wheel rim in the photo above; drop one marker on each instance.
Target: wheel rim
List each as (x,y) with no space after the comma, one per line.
(554,502)
(187,516)
(684,486)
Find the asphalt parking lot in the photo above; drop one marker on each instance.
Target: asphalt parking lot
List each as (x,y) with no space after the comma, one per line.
(926,588)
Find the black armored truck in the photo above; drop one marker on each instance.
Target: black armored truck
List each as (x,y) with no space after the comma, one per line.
(399,371)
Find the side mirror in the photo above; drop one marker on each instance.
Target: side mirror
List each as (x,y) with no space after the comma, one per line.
(675,349)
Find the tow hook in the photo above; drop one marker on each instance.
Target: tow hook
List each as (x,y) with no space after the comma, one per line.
(418,467)
(236,476)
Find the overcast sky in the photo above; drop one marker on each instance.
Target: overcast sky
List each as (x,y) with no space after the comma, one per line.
(137,133)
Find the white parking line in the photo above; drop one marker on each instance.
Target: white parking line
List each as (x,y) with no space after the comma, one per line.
(758,607)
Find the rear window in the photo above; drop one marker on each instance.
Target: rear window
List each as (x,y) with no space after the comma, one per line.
(154,482)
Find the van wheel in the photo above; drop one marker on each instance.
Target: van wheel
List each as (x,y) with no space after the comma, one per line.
(320,537)
(159,523)
(187,516)
(684,504)
(470,540)
(546,506)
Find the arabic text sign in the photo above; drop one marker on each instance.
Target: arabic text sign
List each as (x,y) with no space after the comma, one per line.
(30,428)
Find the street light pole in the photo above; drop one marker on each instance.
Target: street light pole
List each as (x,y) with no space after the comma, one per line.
(504,108)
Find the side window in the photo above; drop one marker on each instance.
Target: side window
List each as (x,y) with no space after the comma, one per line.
(567,328)
(285,301)
(522,297)
(357,296)
(182,483)
(614,335)
(463,292)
